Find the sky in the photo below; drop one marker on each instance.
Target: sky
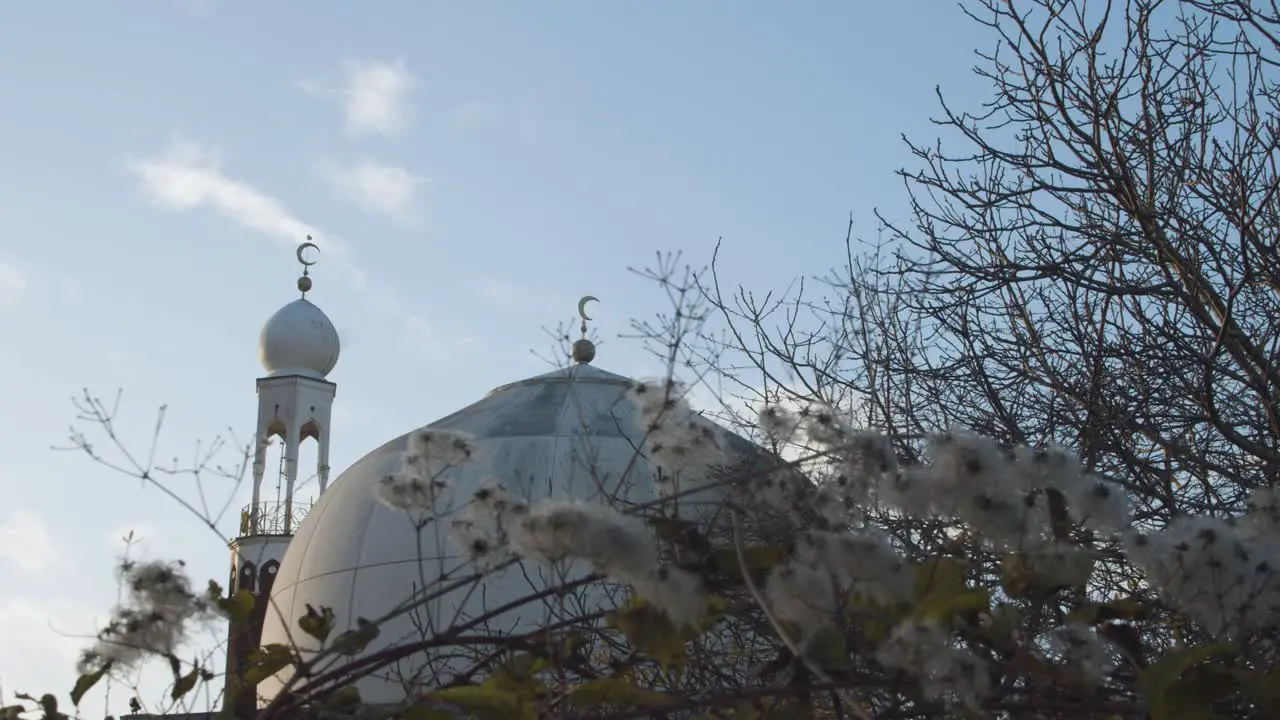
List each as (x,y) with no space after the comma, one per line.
(468,171)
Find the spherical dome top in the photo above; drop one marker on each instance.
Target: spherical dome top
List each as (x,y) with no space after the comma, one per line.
(299,340)
(568,434)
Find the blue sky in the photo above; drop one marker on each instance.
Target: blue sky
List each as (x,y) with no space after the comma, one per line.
(468,169)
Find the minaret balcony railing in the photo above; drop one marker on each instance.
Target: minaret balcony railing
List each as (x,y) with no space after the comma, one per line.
(272,518)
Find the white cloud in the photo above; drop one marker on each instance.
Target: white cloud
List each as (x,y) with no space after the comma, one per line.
(27,542)
(507,295)
(474,115)
(42,641)
(519,120)
(313,86)
(188,176)
(13,282)
(58,628)
(375,97)
(376,188)
(426,343)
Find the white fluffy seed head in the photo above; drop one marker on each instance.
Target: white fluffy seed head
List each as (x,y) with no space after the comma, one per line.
(779,424)
(480,528)
(947,674)
(802,595)
(1051,467)
(155,618)
(1078,647)
(404,491)
(677,439)
(863,563)
(1264,510)
(1219,572)
(445,447)
(823,426)
(675,592)
(1098,504)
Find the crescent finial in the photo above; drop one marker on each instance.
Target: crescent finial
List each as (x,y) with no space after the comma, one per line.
(584,351)
(304,282)
(303,248)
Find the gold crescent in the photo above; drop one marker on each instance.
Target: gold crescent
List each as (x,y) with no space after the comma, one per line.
(582,306)
(302,248)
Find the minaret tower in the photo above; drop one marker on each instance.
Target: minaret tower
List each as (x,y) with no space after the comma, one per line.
(298,348)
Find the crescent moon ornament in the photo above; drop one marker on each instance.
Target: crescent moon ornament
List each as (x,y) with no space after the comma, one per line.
(582,306)
(303,248)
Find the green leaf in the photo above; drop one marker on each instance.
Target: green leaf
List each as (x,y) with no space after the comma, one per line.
(49,704)
(944,575)
(317,623)
(484,702)
(716,608)
(652,633)
(1263,687)
(238,607)
(85,682)
(1159,683)
(1192,696)
(345,698)
(758,560)
(828,650)
(518,673)
(1118,609)
(426,712)
(616,692)
(944,607)
(1027,575)
(353,642)
(185,683)
(784,709)
(265,662)
(941,593)
(1003,626)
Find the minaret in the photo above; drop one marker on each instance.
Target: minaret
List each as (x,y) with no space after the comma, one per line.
(298,348)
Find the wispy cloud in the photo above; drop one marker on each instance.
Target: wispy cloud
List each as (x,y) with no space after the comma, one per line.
(56,623)
(313,86)
(43,638)
(425,342)
(475,115)
(375,95)
(188,176)
(13,282)
(376,188)
(520,120)
(509,296)
(27,542)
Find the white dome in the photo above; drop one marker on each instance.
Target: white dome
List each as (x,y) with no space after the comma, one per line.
(567,434)
(299,340)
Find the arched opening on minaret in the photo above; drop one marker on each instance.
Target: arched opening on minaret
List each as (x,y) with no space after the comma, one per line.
(272,496)
(308,484)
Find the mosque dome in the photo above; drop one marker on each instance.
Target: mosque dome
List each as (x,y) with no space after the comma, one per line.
(299,340)
(568,434)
